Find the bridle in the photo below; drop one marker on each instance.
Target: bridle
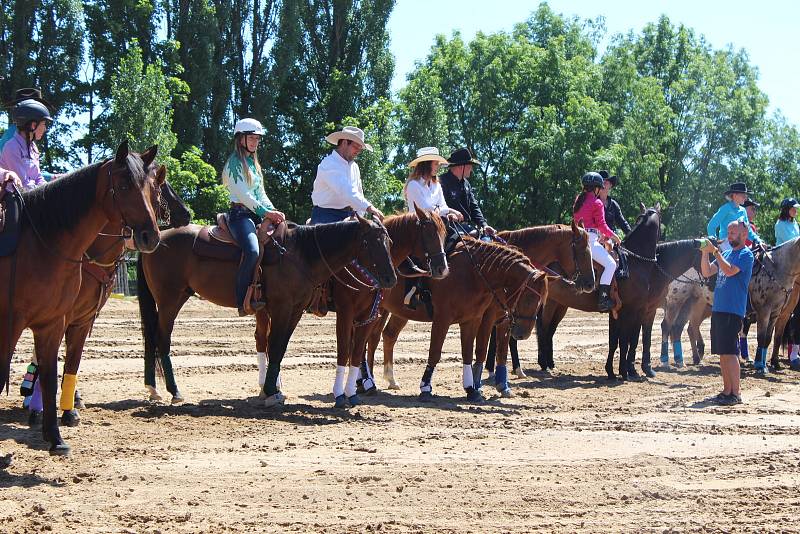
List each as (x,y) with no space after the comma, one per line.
(512,316)
(429,257)
(365,269)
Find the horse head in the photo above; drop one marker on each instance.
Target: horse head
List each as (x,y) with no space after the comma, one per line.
(172,209)
(374,252)
(128,195)
(646,232)
(532,296)
(581,258)
(432,234)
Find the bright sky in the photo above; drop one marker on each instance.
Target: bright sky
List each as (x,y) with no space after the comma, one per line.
(767,29)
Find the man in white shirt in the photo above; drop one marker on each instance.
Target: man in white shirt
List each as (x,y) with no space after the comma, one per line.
(338,192)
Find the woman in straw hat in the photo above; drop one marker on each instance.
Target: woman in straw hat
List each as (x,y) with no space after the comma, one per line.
(422,187)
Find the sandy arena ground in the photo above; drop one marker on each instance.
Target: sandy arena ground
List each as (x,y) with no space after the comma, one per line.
(570,452)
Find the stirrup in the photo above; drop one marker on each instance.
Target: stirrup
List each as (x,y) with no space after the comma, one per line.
(409,298)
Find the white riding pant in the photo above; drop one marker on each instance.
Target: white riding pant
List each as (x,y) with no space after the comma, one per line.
(601,256)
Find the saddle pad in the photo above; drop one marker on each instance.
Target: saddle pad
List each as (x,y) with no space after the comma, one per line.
(206,246)
(10,211)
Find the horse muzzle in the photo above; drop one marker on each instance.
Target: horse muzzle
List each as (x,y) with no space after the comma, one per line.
(387,281)
(520,332)
(146,240)
(439,269)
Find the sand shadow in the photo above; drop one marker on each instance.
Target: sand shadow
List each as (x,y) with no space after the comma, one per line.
(391,399)
(11,480)
(565,381)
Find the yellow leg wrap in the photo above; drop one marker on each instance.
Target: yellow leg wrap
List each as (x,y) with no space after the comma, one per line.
(68,386)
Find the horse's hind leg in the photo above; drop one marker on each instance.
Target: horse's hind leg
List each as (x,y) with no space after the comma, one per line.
(46,340)
(374,338)
(262,337)
(390,334)
(613,343)
(438,334)
(167,312)
(515,363)
(75,338)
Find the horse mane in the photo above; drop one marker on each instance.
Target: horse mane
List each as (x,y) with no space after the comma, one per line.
(494,256)
(528,237)
(330,237)
(59,205)
(405,223)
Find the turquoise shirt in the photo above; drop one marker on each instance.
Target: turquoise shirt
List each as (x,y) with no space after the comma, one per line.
(253,197)
(726,214)
(785,231)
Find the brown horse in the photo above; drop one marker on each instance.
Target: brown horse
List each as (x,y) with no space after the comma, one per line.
(169,276)
(419,234)
(623,331)
(566,245)
(59,222)
(97,279)
(481,275)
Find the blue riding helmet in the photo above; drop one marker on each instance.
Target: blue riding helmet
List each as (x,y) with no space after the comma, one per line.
(29,111)
(592,179)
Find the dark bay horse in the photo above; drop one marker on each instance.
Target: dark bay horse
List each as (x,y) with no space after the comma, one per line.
(642,243)
(481,275)
(169,276)
(59,222)
(97,279)
(421,235)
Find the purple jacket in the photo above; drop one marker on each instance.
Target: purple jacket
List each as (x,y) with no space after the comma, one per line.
(18,158)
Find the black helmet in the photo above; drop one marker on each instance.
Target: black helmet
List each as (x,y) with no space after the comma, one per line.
(789,203)
(592,179)
(29,111)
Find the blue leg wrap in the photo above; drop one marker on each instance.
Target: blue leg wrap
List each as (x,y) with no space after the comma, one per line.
(677,350)
(665,352)
(501,378)
(761,358)
(477,371)
(743,351)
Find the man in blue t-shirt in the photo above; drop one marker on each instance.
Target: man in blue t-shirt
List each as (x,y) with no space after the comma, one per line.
(733,268)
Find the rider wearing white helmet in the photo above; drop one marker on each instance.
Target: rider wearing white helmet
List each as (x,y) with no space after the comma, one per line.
(249,202)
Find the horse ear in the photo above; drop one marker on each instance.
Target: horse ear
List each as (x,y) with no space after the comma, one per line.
(575,227)
(149,155)
(122,153)
(364,222)
(658,208)
(161,175)
(422,215)
(642,208)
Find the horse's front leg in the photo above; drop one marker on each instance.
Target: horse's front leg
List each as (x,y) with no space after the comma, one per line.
(47,340)
(344,384)
(631,356)
(613,343)
(501,367)
(284,320)
(75,338)
(647,333)
(485,342)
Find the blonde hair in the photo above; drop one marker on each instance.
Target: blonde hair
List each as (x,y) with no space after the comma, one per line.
(241,153)
(422,170)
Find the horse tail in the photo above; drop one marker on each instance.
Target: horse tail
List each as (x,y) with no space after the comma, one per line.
(148,314)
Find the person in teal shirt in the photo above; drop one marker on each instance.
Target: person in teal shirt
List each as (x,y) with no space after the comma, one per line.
(249,203)
(786,227)
(729,212)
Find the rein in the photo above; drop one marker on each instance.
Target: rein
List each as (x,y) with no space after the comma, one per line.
(335,276)
(787,292)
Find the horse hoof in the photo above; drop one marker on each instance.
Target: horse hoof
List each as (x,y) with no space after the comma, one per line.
(696,360)
(795,365)
(777,366)
(78,403)
(60,448)
(70,418)
(426,396)
(34,419)
(278,399)
(679,364)
(611,376)
(261,395)
(154,395)
(761,373)
(177,398)
(341,402)
(507,393)
(473,395)
(394,385)
(355,400)
(519,373)
(490,378)
(648,372)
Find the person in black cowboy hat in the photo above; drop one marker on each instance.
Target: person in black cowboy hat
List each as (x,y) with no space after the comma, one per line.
(458,191)
(614,217)
(732,210)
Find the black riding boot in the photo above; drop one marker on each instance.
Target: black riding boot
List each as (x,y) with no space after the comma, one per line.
(604,302)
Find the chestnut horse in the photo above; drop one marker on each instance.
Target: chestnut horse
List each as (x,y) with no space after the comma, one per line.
(481,275)
(169,276)
(420,234)
(59,222)
(641,244)
(97,279)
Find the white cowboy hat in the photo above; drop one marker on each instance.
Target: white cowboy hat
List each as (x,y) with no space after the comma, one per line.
(350,133)
(429,153)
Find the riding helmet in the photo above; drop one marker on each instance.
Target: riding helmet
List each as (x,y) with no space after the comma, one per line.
(29,111)
(248,126)
(789,203)
(592,179)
